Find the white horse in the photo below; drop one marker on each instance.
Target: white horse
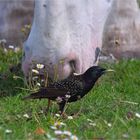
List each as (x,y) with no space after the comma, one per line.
(68,31)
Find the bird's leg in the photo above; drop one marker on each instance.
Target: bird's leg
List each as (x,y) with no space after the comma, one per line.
(77,114)
(48,106)
(61,109)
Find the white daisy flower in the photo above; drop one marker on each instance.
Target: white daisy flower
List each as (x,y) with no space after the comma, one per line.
(38,84)
(58,124)
(35,71)
(35,77)
(89,120)
(53,127)
(26,116)
(40,66)
(58,99)
(11,47)
(57,115)
(67,96)
(68,133)
(137,115)
(125,136)
(3,41)
(109,124)
(17,49)
(58,132)
(8,131)
(70,118)
(48,135)
(5,50)
(92,124)
(73,137)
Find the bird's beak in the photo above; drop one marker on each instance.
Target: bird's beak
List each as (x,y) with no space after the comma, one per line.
(109,70)
(76,74)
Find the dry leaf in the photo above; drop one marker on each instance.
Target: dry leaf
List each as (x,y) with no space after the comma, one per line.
(40,131)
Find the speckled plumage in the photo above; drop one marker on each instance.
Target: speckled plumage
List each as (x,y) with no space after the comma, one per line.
(73,85)
(71,89)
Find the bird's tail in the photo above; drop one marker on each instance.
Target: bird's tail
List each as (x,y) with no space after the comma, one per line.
(50,93)
(42,93)
(36,95)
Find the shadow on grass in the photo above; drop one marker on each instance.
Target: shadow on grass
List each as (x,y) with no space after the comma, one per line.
(10,86)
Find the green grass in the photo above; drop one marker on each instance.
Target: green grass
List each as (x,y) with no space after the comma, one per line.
(111,101)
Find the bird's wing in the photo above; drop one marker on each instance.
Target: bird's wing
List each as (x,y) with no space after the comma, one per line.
(50,93)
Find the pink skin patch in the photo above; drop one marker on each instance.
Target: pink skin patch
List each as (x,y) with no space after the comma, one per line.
(73,62)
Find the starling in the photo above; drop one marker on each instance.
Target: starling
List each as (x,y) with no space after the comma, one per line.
(71,89)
